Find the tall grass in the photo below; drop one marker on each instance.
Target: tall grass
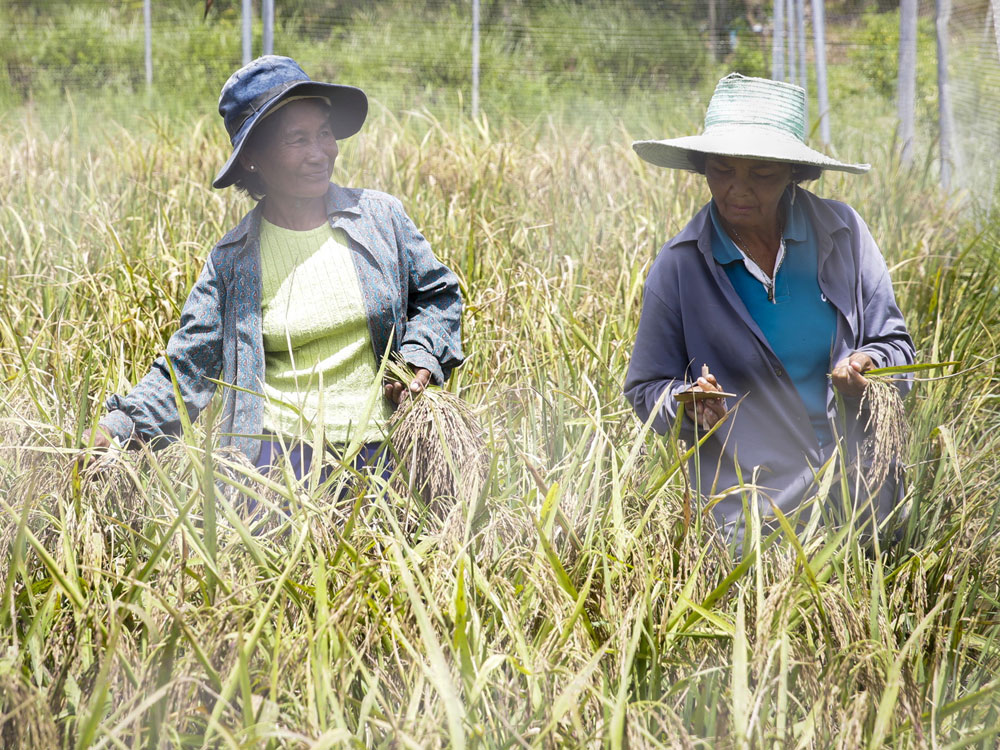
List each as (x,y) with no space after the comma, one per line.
(177,599)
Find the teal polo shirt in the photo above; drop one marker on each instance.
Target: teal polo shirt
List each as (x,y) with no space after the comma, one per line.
(800,323)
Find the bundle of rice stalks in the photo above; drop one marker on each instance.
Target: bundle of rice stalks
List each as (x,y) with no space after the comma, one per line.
(887,429)
(442,449)
(25,719)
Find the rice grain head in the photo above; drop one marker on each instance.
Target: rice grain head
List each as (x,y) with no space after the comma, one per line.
(25,718)
(441,447)
(887,429)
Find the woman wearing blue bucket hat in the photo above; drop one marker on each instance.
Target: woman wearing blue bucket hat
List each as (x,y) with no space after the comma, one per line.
(298,304)
(775,299)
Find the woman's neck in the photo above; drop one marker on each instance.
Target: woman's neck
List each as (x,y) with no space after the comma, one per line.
(764,238)
(761,242)
(297,214)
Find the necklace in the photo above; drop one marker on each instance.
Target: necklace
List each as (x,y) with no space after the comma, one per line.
(743,246)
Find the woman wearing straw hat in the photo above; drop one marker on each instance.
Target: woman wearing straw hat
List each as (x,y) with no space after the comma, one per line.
(770,294)
(298,304)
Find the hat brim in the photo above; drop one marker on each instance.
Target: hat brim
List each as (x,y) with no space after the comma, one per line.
(349,107)
(741,142)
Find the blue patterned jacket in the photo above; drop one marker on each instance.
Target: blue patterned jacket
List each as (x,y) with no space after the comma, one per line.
(405,289)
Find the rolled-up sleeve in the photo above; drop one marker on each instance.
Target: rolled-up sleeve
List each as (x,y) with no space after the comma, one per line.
(195,353)
(433,335)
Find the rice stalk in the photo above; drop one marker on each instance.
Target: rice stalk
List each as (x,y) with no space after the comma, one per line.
(25,719)
(887,429)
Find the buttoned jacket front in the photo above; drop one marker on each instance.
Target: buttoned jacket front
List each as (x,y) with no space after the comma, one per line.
(412,303)
(692,315)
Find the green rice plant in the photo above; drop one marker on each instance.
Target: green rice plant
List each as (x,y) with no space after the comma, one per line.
(177,598)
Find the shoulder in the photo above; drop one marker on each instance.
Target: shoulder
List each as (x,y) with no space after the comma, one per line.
(377,199)
(238,234)
(229,248)
(684,248)
(680,258)
(365,201)
(831,215)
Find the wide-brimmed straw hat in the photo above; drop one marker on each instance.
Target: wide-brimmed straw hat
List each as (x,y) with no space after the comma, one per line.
(259,87)
(750,118)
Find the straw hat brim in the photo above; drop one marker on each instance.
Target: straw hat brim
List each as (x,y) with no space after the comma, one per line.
(740,141)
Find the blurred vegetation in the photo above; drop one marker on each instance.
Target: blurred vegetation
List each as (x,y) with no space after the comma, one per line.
(579,601)
(57,47)
(876,50)
(533,54)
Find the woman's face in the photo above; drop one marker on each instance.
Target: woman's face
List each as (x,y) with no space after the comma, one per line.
(294,151)
(747,191)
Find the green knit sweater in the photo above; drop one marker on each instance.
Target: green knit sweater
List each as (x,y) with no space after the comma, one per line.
(318,356)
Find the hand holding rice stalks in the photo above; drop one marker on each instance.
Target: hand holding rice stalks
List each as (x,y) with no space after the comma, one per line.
(440,444)
(887,428)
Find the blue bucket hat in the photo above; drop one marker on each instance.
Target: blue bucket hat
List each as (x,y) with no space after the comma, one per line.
(259,87)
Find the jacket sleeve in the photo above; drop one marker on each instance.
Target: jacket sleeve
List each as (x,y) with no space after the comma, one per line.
(149,411)
(659,358)
(883,333)
(433,334)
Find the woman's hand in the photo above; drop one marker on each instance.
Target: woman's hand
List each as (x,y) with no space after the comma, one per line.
(847,376)
(102,442)
(706,411)
(396,391)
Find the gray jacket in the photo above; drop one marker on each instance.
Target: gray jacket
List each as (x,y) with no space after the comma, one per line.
(692,315)
(412,302)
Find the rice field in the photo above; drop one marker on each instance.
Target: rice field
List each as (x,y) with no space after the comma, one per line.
(572,594)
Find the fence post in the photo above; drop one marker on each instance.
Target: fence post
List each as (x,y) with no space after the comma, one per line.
(475,59)
(247,25)
(945,119)
(713,32)
(792,69)
(267,18)
(995,9)
(147,22)
(907,78)
(800,22)
(822,100)
(778,41)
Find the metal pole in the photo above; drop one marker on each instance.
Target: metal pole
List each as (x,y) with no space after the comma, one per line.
(907,78)
(713,32)
(995,9)
(475,59)
(822,99)
(792,72)
(267,16)
(778,41)
(945,119)
(247,27)
(147,21)
(800,35)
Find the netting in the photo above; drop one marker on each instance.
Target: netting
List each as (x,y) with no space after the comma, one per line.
(975,83)
(419,56)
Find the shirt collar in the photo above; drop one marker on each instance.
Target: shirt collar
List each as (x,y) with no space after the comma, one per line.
(339,200)
(723,248)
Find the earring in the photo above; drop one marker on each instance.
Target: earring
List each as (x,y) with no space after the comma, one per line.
(252,168)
